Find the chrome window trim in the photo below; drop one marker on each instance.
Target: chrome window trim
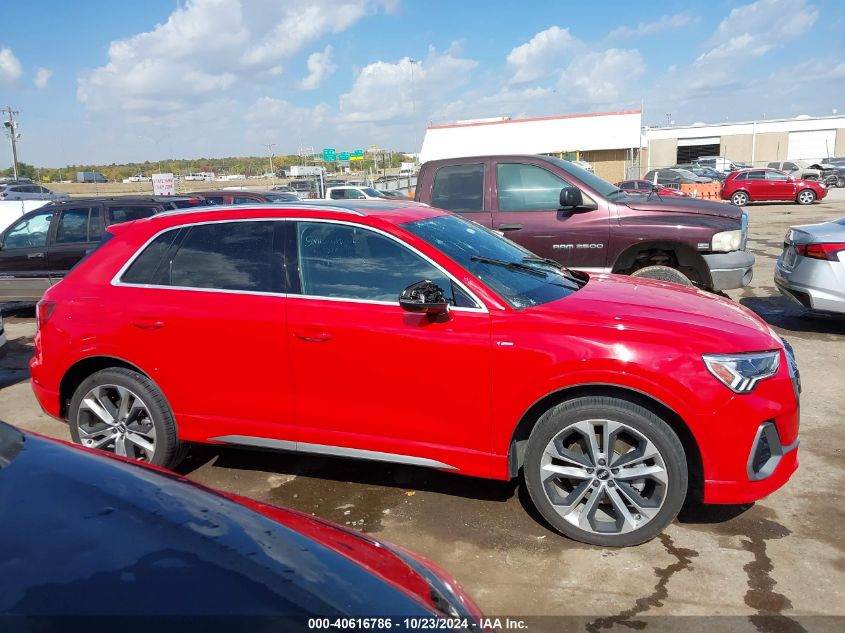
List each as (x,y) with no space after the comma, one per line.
(116,281)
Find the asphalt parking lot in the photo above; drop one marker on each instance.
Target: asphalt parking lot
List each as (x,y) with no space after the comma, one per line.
(783,557)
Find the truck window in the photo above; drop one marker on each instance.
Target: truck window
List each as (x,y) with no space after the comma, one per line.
(459,188)
(527,187)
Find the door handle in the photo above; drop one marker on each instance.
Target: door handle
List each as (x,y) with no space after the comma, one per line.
(148,324)
(509,227)
(35,255)
(312,336)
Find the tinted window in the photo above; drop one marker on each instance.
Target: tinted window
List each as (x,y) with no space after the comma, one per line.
(773,165)
(143,269)
(337,260)
(244,200)
(215,199)
(30,231)
(459,188)
(628,186)
(129,213)
(776,175)
(527,187)
(790,166)
(742,176)
(75,225)
(226,256)
(522,286)
(757,175)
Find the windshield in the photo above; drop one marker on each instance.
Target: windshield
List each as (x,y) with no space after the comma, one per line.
(685,173)
(512,272)
(372,192)
(599,185)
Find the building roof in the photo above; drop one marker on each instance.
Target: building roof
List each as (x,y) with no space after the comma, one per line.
(540,135)
(796,124)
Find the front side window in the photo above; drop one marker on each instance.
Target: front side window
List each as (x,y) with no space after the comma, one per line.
(348,262)
(459,188)
(776,175)
(512,272)
(226,256)
(30,232)
(790,166)
(527,188)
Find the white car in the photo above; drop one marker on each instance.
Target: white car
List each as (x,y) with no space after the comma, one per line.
(353,193)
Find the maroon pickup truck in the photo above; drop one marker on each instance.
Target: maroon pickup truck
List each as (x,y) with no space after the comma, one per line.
(560,211)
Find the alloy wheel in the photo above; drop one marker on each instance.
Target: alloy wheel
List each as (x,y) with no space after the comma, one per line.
(739,199)
(806,197)
(113,418)
(604,476)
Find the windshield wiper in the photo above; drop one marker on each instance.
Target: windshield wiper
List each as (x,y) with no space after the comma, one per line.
(530,270)
(563,269)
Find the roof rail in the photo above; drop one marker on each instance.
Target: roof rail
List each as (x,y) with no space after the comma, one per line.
(259,205)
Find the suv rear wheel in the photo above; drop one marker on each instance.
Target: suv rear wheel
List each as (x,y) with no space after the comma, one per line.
(605,471)
(121,411)
(740,199)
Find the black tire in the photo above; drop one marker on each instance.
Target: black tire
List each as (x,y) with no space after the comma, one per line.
(806,196)
(840,182)
(740,198)
(169,450)
(562,417)
(663,273)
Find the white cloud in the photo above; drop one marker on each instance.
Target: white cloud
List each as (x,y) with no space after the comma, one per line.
(663,23)
(208,47)
(754,29)
(320,66)
(391,92)
(602,78)
(10,67)
(42,76)
(534,59)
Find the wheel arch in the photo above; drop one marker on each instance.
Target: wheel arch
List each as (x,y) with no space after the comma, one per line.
(687,259)
(519,438)
(81,369)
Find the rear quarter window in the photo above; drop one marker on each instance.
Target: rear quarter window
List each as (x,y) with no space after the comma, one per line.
(145,268)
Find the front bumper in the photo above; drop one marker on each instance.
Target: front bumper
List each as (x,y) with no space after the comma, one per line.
(730,270)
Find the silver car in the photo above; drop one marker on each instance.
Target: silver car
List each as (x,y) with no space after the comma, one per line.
(811,270)
(30,192)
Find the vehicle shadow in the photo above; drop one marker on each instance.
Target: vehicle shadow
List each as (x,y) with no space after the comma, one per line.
(344,470)
(14,367)
(781,313)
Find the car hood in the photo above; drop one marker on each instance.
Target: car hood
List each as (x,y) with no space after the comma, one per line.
(667,312)
(678,204)
(89,534)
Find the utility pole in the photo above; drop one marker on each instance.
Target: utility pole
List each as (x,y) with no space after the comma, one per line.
(270,147)
(12,131)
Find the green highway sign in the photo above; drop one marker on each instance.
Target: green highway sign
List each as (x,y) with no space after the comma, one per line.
(343,156)
(329,154)
(357,154)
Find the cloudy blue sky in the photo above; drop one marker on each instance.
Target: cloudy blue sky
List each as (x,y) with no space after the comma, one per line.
(105,81)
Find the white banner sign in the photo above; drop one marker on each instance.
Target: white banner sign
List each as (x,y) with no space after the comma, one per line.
(164,185)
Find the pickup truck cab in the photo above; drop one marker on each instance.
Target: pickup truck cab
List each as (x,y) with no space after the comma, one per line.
(565,213)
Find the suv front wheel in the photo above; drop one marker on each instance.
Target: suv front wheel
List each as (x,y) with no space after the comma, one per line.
(605,471)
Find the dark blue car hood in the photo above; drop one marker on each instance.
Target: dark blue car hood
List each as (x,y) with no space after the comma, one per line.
(85,534)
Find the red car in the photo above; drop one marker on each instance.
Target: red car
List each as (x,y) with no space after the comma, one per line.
(401,333)
(645,187)
(755,185)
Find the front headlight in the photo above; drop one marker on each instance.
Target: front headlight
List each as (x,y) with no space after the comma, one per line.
(726,241)
(741,372)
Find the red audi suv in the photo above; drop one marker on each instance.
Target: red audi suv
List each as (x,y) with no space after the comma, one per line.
(401,333)
(755,185)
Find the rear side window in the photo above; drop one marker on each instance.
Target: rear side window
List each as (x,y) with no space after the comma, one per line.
(459,188)
(244,200)
(79,225)
(757,175)
(226,256)
(145,268)
(129,213)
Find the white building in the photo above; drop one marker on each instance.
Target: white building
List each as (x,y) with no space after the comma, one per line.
(608,140)
(755,142)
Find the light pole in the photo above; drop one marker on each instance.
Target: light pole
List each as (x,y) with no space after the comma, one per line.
(12,131)
(414,108)
(270,147)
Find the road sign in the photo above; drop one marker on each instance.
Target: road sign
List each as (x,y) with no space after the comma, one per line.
(163,185)
(357,154)
(329,154)
(343,163)
(343,156)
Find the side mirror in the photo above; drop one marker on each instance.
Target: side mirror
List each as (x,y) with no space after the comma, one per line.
(571,197)
(424,297)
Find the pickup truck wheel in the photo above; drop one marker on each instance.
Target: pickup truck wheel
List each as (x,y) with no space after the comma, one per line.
(605,471)
(121,411)
(807,196)
(740,199)
(663,273)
